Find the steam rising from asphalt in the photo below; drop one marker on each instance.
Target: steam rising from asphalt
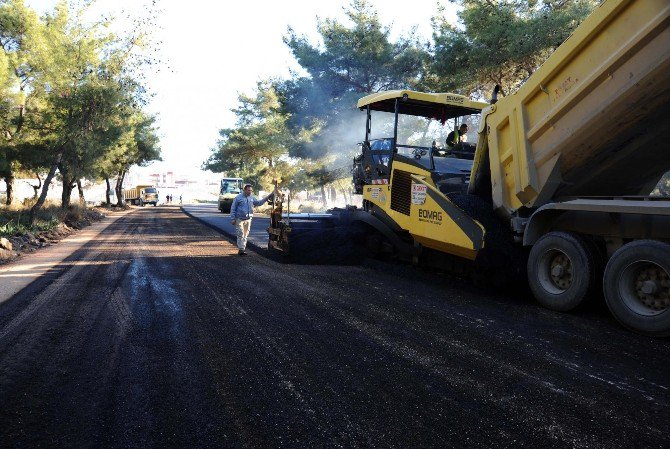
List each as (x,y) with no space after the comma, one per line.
(340,138)
(339,141)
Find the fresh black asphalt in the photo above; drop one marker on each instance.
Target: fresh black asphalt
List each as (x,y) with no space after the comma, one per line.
(157,334)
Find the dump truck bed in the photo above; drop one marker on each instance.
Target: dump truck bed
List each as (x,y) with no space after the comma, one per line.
(594,119)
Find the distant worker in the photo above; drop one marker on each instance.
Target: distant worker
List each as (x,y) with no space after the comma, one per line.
(180,199)
(456,137)
(241,213)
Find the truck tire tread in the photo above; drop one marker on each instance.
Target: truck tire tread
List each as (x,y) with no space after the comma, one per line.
(655,325)
(584,266)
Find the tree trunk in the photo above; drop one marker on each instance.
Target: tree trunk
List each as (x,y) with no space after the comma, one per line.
(119,188)
(45,188)
(108,200)
(68,186)
(36,189)
(323,195)
(82,200)
(9,180)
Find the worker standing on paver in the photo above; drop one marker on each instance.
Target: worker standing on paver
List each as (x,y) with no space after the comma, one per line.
(241,213)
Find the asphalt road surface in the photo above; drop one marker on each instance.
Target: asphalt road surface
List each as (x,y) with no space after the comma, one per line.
(157,334)
(213,217)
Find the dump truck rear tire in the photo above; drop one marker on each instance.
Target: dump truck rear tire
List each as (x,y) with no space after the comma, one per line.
(637,287)
(562,270)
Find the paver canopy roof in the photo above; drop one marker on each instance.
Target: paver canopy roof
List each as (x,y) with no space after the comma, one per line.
(437,106)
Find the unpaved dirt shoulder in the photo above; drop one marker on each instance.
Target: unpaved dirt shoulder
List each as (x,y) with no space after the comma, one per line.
(27,266)
(19,245)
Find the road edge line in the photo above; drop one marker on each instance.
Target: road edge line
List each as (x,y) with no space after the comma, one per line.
(231,237)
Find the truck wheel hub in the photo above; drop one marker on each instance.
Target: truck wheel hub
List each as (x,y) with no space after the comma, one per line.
(561,271)
(557,271)
(652,286)
(649,287)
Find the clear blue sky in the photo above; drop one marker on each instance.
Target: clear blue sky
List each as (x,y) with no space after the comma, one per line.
(214,50)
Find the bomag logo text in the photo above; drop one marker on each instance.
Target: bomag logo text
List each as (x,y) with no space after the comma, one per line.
(454,99)
(431,215)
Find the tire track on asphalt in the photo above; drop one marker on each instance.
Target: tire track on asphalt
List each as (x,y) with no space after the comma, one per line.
(64,329)
(175,373)
(74,266)
(438,365)
(282,368)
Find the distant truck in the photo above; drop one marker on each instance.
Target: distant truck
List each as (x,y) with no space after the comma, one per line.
(141,195)
(230,188)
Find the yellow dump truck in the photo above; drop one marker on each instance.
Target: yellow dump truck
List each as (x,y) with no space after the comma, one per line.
(558,188)
(571,158)
(141,195)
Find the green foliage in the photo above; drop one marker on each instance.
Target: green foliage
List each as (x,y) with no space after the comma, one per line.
(17,39)
(16,221)
(498,42)
(290,129)
(359,58)
(663,186)
(259,149)
(354,59)
(299,129)
(68,98)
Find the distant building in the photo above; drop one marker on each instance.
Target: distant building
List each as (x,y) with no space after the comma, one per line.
(163,179)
